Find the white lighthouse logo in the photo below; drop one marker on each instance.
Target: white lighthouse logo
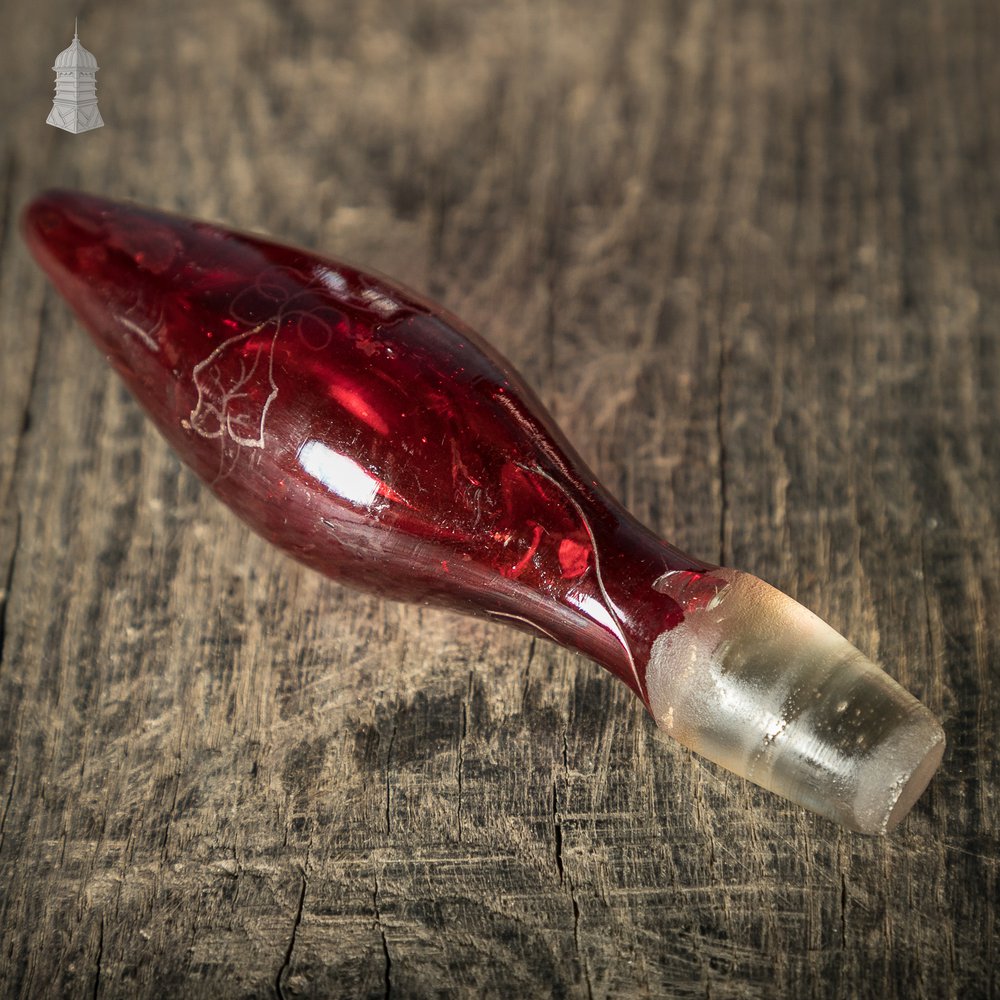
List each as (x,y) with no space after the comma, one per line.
(75,105)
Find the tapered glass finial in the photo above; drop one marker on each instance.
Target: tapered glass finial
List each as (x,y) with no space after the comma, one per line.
(377,439)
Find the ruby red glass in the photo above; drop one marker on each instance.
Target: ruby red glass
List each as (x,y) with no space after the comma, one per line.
(364,430)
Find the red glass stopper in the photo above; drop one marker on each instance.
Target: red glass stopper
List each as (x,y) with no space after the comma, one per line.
(374,437)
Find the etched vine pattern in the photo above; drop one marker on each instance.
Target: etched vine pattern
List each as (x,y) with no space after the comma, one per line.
(230,406)
(144,323)
(222,378)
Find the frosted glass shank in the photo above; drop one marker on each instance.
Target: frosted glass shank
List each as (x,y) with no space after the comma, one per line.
(757,683)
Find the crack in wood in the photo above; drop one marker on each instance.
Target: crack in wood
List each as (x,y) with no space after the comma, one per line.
(558,832)
(386,957)
(565,879)
(99,961)
(7,585)
(279,989)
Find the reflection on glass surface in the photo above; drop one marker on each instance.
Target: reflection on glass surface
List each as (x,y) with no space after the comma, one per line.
(339,473)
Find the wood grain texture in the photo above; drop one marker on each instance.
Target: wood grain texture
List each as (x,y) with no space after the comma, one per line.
(749,253)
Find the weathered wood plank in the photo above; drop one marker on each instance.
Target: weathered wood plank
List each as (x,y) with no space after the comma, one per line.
(749,254)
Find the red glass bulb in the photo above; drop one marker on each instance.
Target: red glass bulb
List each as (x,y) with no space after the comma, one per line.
(374,437)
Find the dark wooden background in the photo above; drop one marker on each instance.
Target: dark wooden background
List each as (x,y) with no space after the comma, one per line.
(749,253)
